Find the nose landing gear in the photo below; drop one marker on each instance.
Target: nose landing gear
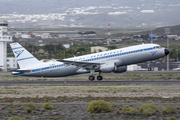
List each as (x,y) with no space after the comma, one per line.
(149,67)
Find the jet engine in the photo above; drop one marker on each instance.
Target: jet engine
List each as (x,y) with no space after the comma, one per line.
(112,67)
(121,69)
(107,68)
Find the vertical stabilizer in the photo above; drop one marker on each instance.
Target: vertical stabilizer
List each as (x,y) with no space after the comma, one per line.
(23,57)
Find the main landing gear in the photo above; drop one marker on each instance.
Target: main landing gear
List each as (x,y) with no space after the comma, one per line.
(91,77)
(99,77)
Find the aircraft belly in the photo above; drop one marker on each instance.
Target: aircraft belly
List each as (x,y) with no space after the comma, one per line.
(66,71)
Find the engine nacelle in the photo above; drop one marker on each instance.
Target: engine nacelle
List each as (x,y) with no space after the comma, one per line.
(113,67)
(121,69)
(107,68)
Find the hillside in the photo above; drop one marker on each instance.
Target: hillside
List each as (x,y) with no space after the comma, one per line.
(175,30)
(85,13)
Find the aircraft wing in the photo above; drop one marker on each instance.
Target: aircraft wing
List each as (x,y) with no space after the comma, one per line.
(86,65)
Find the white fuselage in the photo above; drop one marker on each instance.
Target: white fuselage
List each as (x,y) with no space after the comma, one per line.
(124,56)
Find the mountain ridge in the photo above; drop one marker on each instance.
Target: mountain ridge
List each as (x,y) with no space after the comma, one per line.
(85,13)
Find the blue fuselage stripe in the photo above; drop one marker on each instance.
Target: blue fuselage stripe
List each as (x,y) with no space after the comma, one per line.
(25,58)
(16,48)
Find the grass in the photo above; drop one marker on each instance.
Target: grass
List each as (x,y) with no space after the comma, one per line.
(85,93)
(16,118)
(105,91)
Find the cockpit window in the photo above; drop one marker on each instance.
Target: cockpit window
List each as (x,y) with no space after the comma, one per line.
(156,47)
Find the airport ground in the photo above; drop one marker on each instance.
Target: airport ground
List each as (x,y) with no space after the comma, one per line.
(127,76)
(71,100)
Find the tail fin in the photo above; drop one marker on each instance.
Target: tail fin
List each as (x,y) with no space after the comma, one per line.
(23,57)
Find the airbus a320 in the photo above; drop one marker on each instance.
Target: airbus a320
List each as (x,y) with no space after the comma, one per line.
(104,62)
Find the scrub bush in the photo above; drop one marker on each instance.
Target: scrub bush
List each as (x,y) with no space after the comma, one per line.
(10,110)
(118,112)
(28,109)
(130,110)
(148,109)
(47,106)
(126,110)
(172,118)
(31,105)
(169,109)
(99,106)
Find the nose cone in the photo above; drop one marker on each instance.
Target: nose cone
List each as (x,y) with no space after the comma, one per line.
(166,51)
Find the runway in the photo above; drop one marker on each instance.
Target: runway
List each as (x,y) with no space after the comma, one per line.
(87,82)
(88,103)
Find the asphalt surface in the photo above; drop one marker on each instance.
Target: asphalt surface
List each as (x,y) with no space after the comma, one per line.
(87,82)
(88,103)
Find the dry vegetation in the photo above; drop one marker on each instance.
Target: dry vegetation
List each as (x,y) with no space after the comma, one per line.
(42,101)
(32,91)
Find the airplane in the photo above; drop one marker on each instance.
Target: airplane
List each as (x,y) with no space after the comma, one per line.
(103,62)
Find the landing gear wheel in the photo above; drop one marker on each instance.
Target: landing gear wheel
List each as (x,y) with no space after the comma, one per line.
(91,77)
(99,77)
(152,68)
(149,69)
